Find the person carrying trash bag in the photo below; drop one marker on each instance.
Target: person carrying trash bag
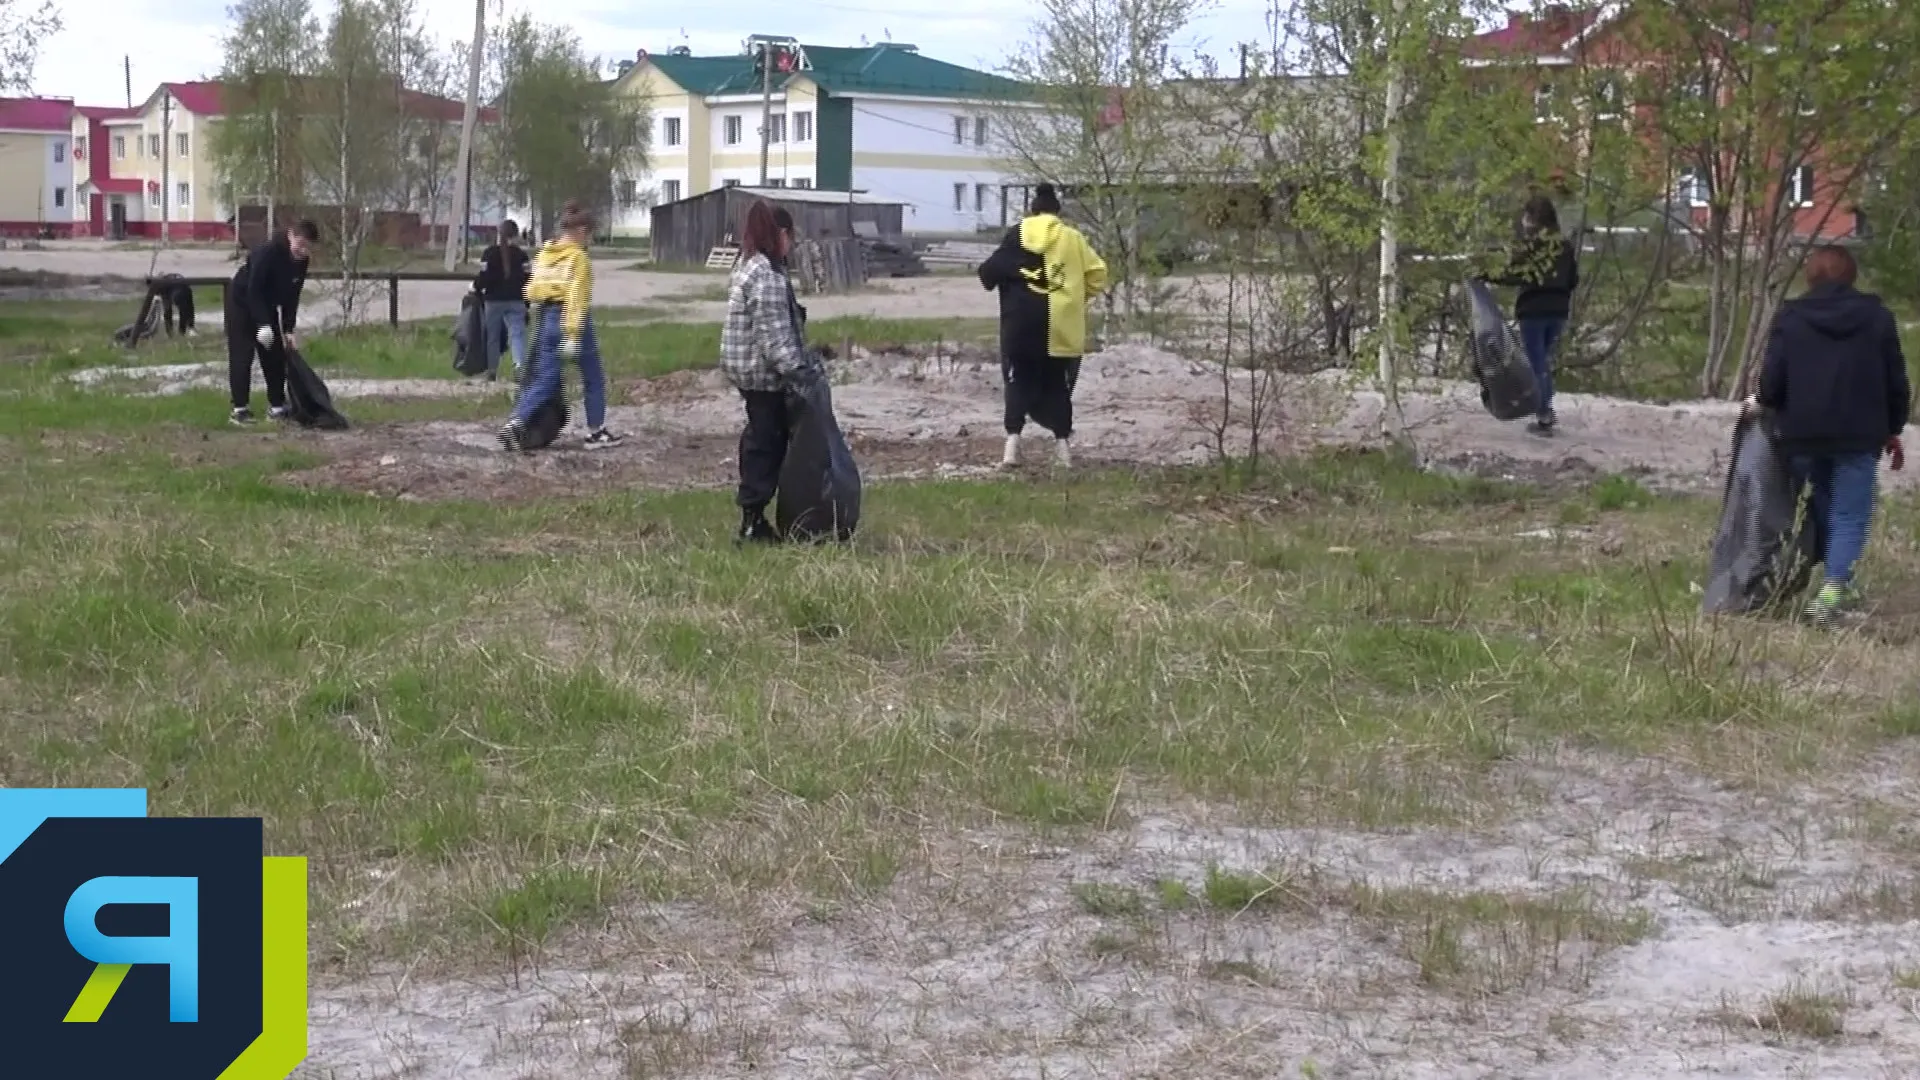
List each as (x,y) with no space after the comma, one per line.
(1545,265)
(763,355)
(561,290)
(262,303)
(1045,272)
(1835,381)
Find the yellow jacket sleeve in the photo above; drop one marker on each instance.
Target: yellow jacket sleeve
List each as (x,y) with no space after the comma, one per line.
(573,311)
(1095,268)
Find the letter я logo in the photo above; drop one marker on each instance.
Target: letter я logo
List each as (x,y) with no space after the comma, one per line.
(71,1018)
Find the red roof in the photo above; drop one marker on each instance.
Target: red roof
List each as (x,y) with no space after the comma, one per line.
(119,185)
(1549,35)
(105,112)
(199,98)
(207,99)
(36,114)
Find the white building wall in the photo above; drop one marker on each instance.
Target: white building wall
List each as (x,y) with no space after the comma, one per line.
(921,157)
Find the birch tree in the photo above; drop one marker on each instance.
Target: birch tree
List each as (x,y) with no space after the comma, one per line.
(269,57)
(23,26)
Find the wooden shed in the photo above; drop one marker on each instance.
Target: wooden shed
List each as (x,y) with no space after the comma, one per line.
(684,233)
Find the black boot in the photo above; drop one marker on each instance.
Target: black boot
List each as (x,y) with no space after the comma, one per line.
(755,528)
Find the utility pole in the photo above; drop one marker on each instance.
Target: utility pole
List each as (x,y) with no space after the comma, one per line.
(766,107)
(126,66)
(1390,223)
(463,187)
(166,174)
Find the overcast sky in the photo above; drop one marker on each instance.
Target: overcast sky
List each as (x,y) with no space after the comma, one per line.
(178,40)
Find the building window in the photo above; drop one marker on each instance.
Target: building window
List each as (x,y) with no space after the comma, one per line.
(153,196)
(120,147)
(182,196)
(670,190)
(959,130)
(1800,187)
(59,197)
(803,127)
(80,147)
(979,131)
(180,145)
(959,196)
(153,146)
(1694,189)
(979,197)
(777,128)
(59,153)
(776,182)
(802,182)
(629,193)
(670,131)
(730,130)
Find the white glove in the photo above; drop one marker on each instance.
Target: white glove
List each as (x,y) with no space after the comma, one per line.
(569,349)
(264,336)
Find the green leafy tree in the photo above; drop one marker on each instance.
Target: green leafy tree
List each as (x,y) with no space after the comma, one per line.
(270,55)
(565,133)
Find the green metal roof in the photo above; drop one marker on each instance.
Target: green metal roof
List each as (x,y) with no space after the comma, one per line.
(874,69)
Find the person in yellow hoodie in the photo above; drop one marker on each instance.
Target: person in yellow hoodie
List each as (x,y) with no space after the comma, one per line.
(1045,272)
(560,289)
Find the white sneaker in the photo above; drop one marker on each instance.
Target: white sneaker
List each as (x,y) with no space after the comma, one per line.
(1063,453)
(1010,457)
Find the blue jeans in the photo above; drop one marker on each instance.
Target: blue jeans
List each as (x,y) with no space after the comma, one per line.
(512,315)
(1842,497)
(546,373)
(1538,335)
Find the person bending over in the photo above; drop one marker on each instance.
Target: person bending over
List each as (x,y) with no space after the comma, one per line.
(561,290)
(262,303)
(1836,380)
(1045,272)
(762,354)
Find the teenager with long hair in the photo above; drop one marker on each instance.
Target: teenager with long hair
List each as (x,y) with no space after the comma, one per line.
(762,354)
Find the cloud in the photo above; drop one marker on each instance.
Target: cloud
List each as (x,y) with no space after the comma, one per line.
(181,39)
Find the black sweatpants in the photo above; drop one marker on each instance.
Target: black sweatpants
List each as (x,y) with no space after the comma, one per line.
(242,347)
(1042,391)
(763,447)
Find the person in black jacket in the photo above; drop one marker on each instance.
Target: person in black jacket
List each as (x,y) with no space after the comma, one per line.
(1546,267)
(502,285)
(1836,381)
(262,303)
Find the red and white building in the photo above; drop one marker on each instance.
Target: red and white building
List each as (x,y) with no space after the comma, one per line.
(36,167)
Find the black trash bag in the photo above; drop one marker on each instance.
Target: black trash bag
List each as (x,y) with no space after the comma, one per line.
(309,403)
(469,343)
(144,325)
(550,419)
(1499,361)
(1759,557)
(819,495)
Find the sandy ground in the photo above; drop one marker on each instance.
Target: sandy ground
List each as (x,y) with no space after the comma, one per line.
(987,966)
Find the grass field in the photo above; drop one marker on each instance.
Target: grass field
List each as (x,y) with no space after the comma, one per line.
(503,733)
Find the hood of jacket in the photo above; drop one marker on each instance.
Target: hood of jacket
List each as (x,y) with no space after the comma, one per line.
(1041,233)
(1836,311)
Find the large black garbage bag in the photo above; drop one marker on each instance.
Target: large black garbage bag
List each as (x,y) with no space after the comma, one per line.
(819,495)
(1499,361)
(469,343)
(1759,557)
(309,402)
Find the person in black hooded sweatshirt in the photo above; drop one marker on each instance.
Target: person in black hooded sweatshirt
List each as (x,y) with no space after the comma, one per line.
(1836,381)
(262,302)
(1546,267)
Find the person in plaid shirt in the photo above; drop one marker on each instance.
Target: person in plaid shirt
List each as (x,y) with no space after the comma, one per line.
(763,353)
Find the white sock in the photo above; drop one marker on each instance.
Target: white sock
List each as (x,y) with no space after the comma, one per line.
(1012,454)
(1064,450)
